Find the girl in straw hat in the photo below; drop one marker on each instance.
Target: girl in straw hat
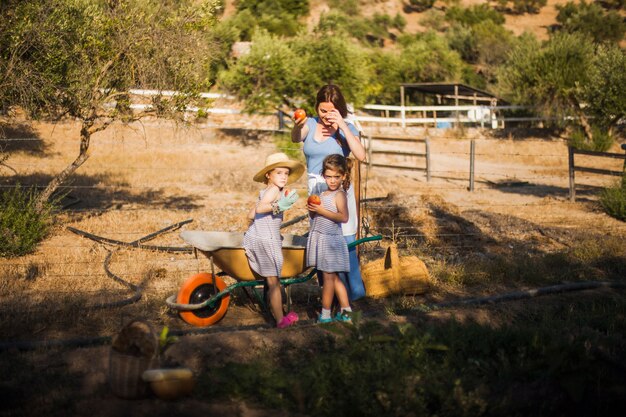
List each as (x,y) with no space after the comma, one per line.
(262,242)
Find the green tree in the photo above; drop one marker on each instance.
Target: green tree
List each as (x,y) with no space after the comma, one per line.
(420,58)
(551,77)
(264,76)
(277,71)
(473,15)
(279,17)
(592,20)
(80,58)
(605,92)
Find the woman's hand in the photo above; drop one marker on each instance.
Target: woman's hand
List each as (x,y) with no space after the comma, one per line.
(299,130)
(336,121)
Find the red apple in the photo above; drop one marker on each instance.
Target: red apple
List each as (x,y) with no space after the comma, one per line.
(314,199)
(299,115)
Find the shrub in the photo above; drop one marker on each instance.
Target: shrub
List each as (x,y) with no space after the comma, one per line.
(613,200)
(22,227)
(473,15)
(522,6)
(420,5)
(602,140)
(591,20)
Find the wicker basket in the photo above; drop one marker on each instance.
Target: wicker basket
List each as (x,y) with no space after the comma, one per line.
(133,350)
(393,275)
(125,373)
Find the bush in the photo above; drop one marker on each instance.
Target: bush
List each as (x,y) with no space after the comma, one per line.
(473,15)
(602,140)
(22,227)
(420,5)
(522,6)
(613,200)
(591,20)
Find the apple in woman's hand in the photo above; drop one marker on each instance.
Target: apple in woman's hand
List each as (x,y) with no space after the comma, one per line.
(299,115)
(314,199)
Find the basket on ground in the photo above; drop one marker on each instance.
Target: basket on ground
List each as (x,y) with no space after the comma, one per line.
(395,275)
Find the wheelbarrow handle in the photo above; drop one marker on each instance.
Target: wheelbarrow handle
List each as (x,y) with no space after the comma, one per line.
(363,240)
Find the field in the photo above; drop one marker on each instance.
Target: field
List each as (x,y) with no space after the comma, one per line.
(516,231)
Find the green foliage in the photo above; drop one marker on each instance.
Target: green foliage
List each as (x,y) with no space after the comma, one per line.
(22,226)
(67,56)
(370,31)
(295,8)
(592,20)
(279,17)
(348,7)
(443,368)
(485,43)
(522,6)
(473,15)
(548,77)
(421,58)
(612,4)
(275,69)
(264,75)
(604,93)
(421,5)
(613,200)
(601,142)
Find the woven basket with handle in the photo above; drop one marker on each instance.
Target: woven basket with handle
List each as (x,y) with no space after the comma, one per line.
(395,275)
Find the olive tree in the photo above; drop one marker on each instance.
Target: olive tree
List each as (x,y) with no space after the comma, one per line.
(605,93)
(80,59)
(550,77)
(279,71)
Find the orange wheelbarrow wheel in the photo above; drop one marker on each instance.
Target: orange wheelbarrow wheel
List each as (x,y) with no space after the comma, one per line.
(198,289)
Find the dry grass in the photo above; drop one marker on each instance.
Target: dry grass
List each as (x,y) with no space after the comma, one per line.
(143,178)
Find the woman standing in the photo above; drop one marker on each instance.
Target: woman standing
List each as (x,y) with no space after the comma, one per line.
(326,134)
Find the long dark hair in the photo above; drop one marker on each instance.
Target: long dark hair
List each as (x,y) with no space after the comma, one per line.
(340,164)
(331,93)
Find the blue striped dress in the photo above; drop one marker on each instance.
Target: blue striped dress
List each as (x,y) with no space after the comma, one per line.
(263,243)
(326,248)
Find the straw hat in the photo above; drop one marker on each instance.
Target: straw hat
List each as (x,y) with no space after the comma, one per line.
(280,160)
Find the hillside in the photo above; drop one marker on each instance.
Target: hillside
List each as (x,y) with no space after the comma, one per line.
(537,24)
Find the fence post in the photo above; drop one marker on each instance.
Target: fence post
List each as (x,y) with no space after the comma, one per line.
(370,141)
(281,120)
(624,168)
(472,154)
(427,142)
(572,185)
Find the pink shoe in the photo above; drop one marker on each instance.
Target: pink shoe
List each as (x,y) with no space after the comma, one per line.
(288,320)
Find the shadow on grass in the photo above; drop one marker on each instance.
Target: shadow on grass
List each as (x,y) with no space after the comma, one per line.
(562,358)
(584,192)
(22,138)
(524,133)
(104,192)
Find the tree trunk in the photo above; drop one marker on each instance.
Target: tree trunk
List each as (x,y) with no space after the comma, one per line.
(584,121)
(83,155)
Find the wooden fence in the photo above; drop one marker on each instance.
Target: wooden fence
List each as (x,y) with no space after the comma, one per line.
(372,151)
(573,168)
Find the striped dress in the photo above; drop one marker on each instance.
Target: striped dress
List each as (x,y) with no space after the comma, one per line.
(263,243)
(326,248)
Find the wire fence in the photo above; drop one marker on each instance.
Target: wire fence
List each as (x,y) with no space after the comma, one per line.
(536,169)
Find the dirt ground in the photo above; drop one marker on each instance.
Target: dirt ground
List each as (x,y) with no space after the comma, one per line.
(142,178)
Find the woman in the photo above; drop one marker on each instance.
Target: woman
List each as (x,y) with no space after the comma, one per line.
(327,134)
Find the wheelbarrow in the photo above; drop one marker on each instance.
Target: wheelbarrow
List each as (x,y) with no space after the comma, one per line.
(204,297)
